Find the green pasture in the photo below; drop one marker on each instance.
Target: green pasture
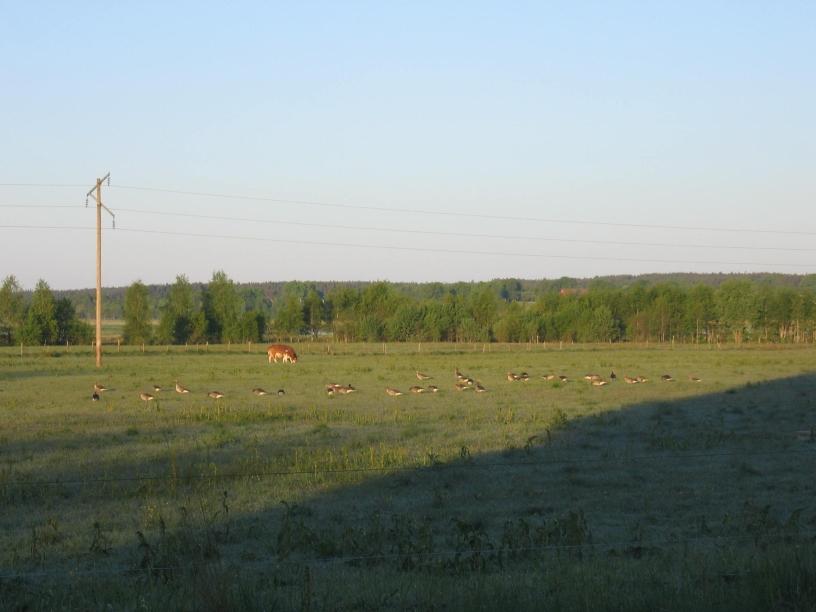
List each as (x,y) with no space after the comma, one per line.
(533,495)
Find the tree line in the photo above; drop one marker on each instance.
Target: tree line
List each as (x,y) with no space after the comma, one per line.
(738,309)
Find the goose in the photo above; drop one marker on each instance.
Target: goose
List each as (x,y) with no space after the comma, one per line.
(330,389)
(549,377)
(480,388)
(146,397)
(215,394)
(599,382)
(695,379)
(156,388)
(630,381)
(524,377)
(642,379)
(462,386)
(512,377)
(345,390)
(468,381)
(612,375)
(281,392)
(100,388)
(563,378)
(94,397)
(667,378)
(393,392)
(417,389)
(421,376)
(258,391)
(433,388)
(181,389)
(591,377)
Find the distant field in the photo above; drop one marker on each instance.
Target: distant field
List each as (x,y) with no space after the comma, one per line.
(672,495)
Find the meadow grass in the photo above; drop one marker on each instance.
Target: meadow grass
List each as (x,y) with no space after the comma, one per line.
(677,495)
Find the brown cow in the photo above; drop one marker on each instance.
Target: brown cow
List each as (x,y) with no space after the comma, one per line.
(281,351)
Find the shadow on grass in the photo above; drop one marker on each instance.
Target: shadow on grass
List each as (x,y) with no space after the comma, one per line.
(718,479)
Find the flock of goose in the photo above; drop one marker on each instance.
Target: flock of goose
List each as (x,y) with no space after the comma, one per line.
(180,389)
(463,383)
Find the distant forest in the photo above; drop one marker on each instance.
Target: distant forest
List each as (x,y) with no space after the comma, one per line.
(655,307)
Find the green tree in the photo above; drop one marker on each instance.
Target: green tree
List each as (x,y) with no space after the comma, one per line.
(176,324)
(253,326)
(313,309)
(41,323)
(483,307)
(289,319)
(223,307)
(12,310)
(604,327)
(138,326)
(736,306)
(69,328)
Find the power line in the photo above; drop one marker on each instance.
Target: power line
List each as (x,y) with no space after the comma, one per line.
(459,214)
(458,234)
(39,205)
(421,249)
(42,185)
(430,468)
(336,226)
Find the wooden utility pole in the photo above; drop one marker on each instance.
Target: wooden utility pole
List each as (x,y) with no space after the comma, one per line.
(96,194)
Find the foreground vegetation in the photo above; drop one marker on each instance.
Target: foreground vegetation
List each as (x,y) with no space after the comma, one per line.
(680,495)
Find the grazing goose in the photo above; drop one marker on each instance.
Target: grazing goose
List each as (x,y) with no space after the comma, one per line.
(94,397)
(433,388)
(480,388)
(600,382)
(281,392)
(100,388)
(462,386)
(146,397)
(421,376)
(549,377)
(630,381)
(181,389)
(695,379)
(667,378)
(330,389)
(642,379)
(393,392)
(345,389)
(591,377)
(612,375)
(563,378)
(512,377)
(524,377)
(215,394)
(258,391)
(156,388)
(417,389)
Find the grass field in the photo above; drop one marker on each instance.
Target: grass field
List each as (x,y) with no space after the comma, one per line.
(538,494)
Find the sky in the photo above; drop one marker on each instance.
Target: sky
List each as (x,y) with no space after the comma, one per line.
(406,141)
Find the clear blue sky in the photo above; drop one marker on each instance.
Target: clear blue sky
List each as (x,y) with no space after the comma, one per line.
(687,113)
